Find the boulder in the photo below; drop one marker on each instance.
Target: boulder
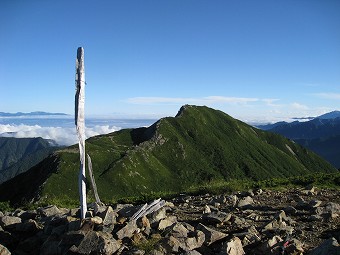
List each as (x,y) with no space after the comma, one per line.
(168,221)
(194,240)
(48,211)
(109,216)
(233,247)
(211,235)
(128,230)
(4,250)
(245,202)
(30,226)
(328,247)
(31,214)
(156,216)
(9,221)
(97,243)
(216,218)
(251,236)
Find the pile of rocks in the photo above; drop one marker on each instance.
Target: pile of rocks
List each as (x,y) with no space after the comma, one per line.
(253,222)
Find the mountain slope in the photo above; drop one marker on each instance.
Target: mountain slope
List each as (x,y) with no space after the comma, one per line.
(197,146)
(19,154)
(320,135)
(327,147)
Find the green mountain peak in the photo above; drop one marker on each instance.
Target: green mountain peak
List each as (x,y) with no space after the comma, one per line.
(197,146)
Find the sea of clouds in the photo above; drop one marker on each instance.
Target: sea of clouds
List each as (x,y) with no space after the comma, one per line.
(61,135)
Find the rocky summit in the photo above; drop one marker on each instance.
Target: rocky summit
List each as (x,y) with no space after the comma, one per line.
(296,221)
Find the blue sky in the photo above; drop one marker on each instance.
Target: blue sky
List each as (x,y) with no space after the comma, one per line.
(255,60)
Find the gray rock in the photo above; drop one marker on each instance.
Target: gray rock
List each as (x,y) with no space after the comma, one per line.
(9,221)
(97,243)
(251,236)
(207,209)
(99,208)
(245,202)
(233,247)
(179,230)
(31,214)
(126,210)
(156,216)
(216,218)
(168,221)
(50,247)
(28,226)
(328,247)
(333,208)
(232,199)
(211,235)
(69,239)
(290,210)
(48,211)
(271,246)
(194,241)
(128,230)
(315,203)
(18,212)
(4,250)
(109,216)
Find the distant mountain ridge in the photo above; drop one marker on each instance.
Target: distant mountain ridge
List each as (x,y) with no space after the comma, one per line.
(330,115)
(197,146)
(37,113)
(320,134)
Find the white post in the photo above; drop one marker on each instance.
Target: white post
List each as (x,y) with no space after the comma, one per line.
(80,126)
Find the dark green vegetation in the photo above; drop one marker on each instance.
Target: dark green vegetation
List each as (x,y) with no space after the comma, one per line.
(17,155)
(320,135)
(199,147)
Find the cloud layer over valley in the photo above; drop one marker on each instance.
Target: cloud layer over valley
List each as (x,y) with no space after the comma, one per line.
(61,135)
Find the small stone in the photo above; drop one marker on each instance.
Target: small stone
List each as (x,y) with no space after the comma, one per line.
(206,209)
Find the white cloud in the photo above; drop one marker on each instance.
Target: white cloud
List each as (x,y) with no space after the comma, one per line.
(271,101)
(299,106)
(63,136)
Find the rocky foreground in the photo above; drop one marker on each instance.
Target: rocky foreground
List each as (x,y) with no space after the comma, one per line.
(299,221)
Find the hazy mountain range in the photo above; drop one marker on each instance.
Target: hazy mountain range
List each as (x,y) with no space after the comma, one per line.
(26,114)
(321,134)
(198,146)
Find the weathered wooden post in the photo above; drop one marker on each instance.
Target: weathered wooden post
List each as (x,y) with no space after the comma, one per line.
(80,126)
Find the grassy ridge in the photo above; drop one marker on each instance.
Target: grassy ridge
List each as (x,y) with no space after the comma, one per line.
(198,147)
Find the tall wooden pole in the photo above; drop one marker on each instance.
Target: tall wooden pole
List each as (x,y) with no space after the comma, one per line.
(80,126)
